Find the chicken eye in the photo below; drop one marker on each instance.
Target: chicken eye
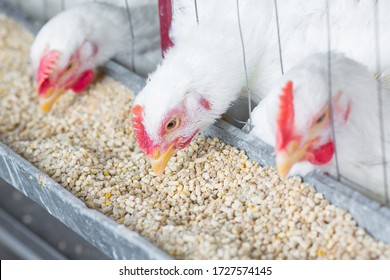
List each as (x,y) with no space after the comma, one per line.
(321,118)
(69,66)
(173,124)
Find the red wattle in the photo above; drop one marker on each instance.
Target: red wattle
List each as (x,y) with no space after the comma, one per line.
(323,154)
(83,82)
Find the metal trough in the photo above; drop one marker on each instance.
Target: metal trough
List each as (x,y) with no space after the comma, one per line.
(119,242)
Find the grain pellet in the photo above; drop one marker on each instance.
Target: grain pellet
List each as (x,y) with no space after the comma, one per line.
(212,202)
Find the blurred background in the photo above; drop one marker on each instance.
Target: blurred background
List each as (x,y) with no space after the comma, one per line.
(27,231)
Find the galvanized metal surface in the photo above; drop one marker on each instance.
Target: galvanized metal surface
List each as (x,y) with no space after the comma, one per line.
(118,241)
(15,237)
(26,221)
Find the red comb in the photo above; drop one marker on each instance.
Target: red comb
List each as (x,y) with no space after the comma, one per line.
(46,66)
(285,120)
(142,137)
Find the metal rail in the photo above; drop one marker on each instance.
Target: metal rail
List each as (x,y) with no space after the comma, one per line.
(23,242)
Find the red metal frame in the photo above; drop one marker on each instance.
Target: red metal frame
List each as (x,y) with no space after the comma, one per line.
(165,12)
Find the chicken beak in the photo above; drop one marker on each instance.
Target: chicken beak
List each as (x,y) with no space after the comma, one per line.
(160,160)
(47,100)
(286,159)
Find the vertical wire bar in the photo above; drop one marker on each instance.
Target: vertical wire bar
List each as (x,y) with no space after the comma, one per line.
(62,5)
(380,101)
(132,36)
(196,11)
(245,68)
(330,90)
(278,30)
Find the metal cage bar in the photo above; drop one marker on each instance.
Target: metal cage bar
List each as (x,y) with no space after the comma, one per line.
(248,90)
(279,40)
(380,103)
(331,112)
(132,37)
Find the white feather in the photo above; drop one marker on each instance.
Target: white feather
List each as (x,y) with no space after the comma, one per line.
(106,26)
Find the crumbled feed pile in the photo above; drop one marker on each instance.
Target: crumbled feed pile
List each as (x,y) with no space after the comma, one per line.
(212,203)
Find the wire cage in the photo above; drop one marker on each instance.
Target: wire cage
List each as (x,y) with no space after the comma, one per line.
(340,189)
(243,107)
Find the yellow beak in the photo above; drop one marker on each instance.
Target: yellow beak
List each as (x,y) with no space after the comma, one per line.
(285,160)
(160,160)
(46,101)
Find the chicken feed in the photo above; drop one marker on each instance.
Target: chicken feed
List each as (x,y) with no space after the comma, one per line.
(212,203)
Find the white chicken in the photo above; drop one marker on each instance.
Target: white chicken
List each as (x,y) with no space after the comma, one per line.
(200,77)
(295,119)
(202,74)
(72,44)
